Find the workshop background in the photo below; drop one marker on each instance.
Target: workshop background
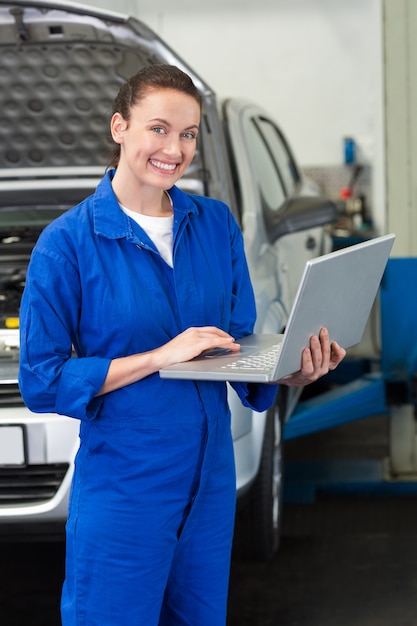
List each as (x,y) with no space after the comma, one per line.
(340,78)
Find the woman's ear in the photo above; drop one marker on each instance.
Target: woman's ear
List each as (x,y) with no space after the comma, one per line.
(117,127)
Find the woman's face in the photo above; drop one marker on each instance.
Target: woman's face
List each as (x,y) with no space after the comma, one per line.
(158,143)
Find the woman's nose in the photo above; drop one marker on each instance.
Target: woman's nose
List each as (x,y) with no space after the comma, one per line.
(173,146)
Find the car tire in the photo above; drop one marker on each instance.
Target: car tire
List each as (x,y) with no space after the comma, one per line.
(258,522)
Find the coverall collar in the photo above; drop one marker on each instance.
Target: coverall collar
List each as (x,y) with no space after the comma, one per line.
(111,222)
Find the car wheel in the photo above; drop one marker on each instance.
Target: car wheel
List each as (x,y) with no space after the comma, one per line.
(258,523)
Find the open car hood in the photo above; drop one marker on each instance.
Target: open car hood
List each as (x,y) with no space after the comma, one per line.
(61,65)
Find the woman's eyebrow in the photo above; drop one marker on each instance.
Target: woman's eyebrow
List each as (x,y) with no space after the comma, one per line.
(160,120)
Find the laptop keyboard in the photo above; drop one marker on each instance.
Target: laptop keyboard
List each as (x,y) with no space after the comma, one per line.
(263,360)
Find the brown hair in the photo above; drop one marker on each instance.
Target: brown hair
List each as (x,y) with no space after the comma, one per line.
(138,85)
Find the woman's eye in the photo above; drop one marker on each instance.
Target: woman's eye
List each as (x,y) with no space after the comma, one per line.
(158,129)
(189,135)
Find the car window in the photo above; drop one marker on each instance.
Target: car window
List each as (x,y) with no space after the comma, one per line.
(280,153)
(268,178)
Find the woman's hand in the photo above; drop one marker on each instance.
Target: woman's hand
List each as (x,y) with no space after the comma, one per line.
(189,344)
(193,342)
(317,361)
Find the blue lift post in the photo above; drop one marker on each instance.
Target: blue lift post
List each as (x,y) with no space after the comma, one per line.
(389,390)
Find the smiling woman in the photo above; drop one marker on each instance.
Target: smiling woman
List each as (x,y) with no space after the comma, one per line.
(139,276)
(157,145)
(154,127)
(157,142)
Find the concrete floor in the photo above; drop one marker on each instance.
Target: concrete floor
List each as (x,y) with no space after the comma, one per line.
(346,563)
(344,560)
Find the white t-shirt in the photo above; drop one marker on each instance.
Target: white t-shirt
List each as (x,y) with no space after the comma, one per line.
(159,229)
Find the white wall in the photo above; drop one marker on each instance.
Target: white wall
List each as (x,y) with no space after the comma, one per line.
(315,64)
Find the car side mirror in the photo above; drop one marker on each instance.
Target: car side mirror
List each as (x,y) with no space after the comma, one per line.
(297,214)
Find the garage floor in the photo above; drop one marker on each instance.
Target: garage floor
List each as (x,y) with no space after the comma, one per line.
(344,560)
(340,563)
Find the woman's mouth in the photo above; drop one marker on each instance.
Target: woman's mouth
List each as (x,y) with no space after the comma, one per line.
(164,167)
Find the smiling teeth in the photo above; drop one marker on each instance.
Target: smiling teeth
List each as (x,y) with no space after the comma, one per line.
(164,166)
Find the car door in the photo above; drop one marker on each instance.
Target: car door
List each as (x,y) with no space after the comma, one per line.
(267,180)
(267,177)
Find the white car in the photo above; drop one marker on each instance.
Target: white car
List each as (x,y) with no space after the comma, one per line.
(60,68)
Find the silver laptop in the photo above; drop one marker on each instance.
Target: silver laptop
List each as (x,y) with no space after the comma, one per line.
(337,290)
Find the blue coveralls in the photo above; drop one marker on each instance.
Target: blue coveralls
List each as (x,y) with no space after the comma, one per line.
(151,513)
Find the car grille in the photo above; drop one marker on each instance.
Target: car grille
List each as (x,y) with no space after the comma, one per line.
(31,484)
(10,395)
